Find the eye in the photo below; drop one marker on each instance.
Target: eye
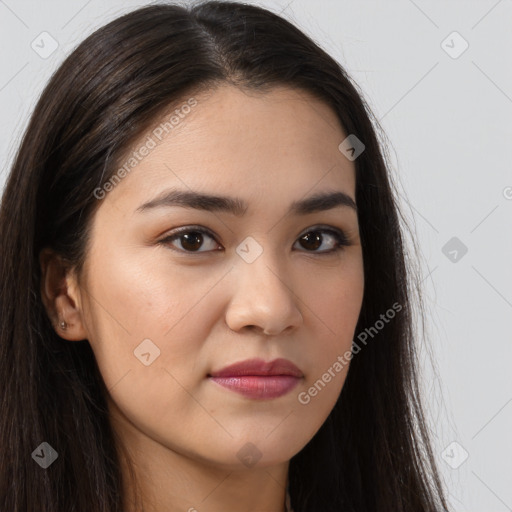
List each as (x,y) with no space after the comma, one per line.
(313,239)
(191,238)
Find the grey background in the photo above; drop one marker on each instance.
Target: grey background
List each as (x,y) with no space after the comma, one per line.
(448,124)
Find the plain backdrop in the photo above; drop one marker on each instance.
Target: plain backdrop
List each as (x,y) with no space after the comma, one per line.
(438,77)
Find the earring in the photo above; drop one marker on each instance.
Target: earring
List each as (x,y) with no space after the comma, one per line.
(63,325)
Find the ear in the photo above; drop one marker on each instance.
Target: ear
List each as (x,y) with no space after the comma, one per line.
(60,294)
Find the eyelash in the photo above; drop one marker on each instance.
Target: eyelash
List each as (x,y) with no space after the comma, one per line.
(341,239)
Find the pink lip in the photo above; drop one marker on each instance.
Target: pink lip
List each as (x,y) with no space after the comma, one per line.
(256,378)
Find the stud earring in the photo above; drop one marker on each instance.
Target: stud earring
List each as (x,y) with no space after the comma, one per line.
(63,325)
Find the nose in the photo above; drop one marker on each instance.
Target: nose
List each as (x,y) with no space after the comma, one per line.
(264,298)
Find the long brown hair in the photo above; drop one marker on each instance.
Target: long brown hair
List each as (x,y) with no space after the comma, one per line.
(373,453)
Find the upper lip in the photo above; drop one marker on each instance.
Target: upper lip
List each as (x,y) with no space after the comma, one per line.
(259,367)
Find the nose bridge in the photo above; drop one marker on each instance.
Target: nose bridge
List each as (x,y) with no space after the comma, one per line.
(263,294)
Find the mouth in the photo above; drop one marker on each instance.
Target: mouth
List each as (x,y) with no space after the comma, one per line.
(258,379)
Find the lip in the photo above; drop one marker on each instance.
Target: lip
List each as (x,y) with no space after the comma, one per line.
(258,379)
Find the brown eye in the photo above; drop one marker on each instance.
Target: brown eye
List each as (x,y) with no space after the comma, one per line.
(191,240)
(313,239)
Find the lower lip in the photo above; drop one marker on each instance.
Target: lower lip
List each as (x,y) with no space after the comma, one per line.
(262,387)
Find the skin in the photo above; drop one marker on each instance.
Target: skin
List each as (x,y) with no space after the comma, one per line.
(205,310)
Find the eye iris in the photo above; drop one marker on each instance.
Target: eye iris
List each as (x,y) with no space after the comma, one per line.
(311,238)
(190,237)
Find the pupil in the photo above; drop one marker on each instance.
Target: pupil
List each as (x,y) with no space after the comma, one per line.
(190,236)
(316,239)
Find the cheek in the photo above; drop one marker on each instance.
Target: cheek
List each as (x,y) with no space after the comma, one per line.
(334,301)
(333,307)
(140,305)
(146,294)
(149,324)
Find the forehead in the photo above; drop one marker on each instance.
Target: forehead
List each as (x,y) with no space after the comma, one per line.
(280,143)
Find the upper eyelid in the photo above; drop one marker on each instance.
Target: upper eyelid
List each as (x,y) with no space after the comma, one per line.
(343,233)
(192,228)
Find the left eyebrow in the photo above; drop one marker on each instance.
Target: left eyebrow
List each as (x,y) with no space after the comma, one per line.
(236,206)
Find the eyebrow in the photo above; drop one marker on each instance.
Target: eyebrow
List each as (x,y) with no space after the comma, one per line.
(236,206)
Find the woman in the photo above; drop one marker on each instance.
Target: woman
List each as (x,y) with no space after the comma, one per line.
(205,304)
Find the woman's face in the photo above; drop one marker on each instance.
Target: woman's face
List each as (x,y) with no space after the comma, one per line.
(262,280)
